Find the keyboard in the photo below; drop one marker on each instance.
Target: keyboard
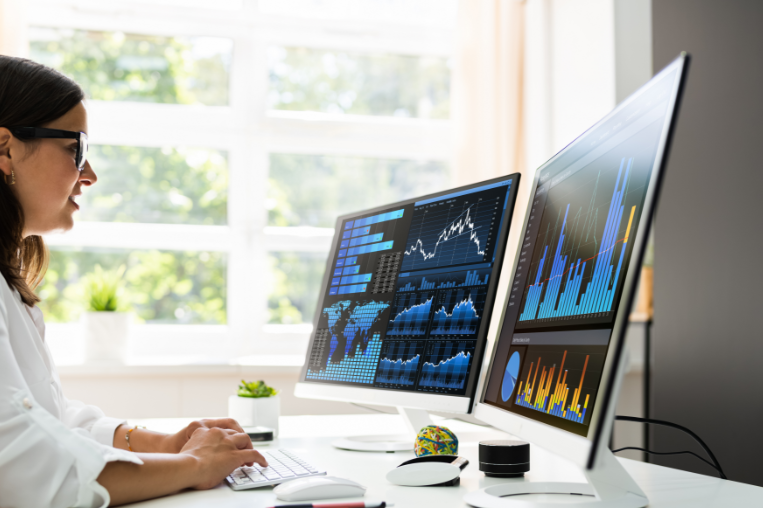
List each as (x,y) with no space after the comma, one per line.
(283,466)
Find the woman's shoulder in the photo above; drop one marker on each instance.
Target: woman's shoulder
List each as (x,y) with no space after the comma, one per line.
(7,293)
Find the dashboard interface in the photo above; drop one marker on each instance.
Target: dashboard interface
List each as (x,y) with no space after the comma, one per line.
(578,240)
(409,291)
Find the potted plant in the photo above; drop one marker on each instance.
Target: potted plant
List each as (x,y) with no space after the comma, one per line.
(106,328)
(255,404)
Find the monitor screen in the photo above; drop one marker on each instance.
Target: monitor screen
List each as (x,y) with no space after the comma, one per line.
(408,292)
(585,208)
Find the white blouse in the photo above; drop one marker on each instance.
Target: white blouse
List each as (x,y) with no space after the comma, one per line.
(51,449)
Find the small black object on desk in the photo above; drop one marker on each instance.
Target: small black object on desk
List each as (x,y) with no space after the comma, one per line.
(504,458)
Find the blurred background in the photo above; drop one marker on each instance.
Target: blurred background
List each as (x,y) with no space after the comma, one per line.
(228,135)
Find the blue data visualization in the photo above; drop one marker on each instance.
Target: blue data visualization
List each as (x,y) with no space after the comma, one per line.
(458,312)
(510,376)
(580,258)
(442,279)
(360,243)
(410,314)
(357,368)
(399,363)
(446,364)
(453,230)
(353,326)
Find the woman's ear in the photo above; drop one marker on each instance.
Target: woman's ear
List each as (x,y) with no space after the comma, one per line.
(5,151)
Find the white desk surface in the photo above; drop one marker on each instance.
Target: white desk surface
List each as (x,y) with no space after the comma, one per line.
(310,437)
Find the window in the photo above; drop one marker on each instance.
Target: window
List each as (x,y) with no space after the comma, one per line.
(227,138)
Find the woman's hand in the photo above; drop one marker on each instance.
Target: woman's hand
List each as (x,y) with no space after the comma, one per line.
(218,452)
(175,442)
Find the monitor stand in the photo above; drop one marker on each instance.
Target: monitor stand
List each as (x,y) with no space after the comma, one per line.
(609,486)
(415,420)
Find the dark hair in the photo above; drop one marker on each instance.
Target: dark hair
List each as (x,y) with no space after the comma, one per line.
(31,95)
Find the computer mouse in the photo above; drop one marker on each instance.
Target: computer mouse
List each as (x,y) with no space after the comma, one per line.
(318,487)
(429,471)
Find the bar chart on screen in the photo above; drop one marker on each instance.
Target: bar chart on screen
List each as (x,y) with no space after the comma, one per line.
(431,279)
(581,260)
(352,271)
(559,382)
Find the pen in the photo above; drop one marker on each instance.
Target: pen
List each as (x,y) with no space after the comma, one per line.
(354,504)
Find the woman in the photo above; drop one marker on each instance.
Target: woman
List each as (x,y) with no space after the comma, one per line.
(55,452)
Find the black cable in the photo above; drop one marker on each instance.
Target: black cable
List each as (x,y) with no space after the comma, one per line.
(668,453)
(651,421)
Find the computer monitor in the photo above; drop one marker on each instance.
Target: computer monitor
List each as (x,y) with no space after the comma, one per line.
(406,302)
(558,360)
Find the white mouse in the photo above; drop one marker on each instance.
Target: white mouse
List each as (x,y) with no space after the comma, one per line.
(318,487)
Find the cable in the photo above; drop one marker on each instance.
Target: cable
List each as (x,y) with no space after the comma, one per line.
(667,453)
(651,421)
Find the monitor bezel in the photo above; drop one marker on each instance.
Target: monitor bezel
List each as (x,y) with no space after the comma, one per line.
(463,404)
(583,450)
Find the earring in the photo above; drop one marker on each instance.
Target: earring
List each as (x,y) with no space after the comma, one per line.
(13,178)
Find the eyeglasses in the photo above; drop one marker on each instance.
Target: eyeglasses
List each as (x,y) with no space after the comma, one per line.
(40,133)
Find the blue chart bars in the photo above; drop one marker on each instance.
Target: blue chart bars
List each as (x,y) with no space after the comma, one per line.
(356,241)
(446,364)
(359,368)
(458,312)
(599,291)
(410,314)
(436,279)
(399,363)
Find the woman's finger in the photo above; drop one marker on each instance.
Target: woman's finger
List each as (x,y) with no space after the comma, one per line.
(249,456)
(224,423)
(241,441)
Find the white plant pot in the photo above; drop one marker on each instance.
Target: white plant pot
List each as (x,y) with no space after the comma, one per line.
(106,336)
(253,412)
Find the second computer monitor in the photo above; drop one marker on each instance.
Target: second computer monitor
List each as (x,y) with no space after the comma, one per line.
(406,300)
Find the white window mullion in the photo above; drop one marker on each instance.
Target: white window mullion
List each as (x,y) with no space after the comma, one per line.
(247,266)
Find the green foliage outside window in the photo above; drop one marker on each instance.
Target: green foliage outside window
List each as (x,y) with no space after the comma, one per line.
(157,185)
(304,79)
(312,190)
(159,286)
(297,278)
(114,66)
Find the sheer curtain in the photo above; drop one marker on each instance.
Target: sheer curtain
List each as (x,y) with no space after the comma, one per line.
(13,28)
(487,95)
(487,90)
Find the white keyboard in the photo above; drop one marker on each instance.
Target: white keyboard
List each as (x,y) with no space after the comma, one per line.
(283,466)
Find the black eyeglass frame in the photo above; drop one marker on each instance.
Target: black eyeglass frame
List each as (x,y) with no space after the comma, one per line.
(43,133)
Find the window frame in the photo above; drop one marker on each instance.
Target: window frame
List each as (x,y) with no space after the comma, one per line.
(248,132)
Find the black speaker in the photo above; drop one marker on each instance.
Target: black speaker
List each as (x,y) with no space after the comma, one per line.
(504,458)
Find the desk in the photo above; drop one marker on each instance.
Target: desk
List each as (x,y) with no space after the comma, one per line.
(310,437)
